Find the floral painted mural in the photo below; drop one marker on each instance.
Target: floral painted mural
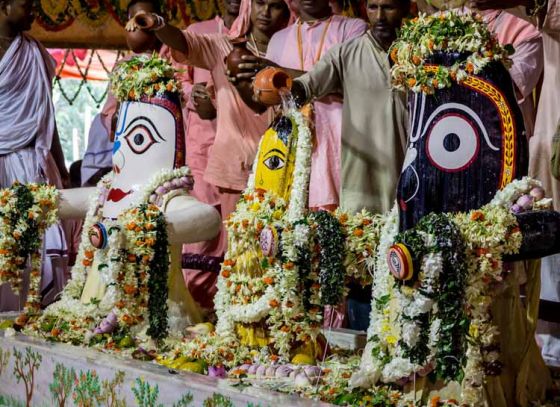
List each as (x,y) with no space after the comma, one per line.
(38,374)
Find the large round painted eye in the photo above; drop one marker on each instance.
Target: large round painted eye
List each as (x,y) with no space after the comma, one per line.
(452,143)
(140,135)
(274,162)
(140,139)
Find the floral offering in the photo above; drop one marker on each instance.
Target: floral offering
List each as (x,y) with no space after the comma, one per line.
(26,211)
(425,38)
(133,262)
(143,75)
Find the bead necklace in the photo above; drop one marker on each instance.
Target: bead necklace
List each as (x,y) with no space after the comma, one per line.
(252,46)
(321,43)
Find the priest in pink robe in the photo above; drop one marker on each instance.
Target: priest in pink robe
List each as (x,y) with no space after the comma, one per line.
(238,128)
(199,113)
(299,47)
(527,59)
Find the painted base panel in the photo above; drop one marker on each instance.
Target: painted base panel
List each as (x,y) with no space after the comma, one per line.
(37,373)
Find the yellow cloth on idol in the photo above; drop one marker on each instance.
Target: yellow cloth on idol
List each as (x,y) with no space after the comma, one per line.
(252,335)
(177,289)
(525,377)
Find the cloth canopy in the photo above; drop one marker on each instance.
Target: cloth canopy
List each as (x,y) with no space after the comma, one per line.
(99,23)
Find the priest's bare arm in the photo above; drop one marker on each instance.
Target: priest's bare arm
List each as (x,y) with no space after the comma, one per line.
(167,34)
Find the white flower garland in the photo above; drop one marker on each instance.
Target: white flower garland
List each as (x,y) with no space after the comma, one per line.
(84,317)
(43,213)
(513,191)
(489,234)
(243,298)
(413,303)
(43,210)
(300,187)
(380,326)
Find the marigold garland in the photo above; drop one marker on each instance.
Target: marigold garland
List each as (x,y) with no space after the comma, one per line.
(26,211)
(362,231)
(137,250)
(424,37)
(144,275)
(143,75)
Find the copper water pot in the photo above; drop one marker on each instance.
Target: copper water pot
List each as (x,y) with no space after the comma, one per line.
(269,83)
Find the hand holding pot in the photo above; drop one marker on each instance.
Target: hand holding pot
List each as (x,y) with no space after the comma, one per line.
(242,64)
(269,84)
(144,21)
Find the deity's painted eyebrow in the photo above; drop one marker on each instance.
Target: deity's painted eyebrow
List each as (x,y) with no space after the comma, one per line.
(153,129)
(275,150)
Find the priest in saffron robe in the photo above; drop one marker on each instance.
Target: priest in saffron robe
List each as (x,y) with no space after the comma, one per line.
(30,150)
(199,114)
(238,128)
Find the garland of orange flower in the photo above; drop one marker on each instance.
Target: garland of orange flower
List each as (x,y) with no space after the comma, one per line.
(26,211)
(136,254)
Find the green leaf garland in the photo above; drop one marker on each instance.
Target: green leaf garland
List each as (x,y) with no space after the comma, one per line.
(330,239)
(449,295)
(157,283)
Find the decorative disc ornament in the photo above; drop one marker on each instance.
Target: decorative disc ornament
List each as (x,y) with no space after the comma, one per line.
(400,262)
(98,236)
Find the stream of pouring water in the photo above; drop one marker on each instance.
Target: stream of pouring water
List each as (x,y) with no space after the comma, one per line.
(288,101)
